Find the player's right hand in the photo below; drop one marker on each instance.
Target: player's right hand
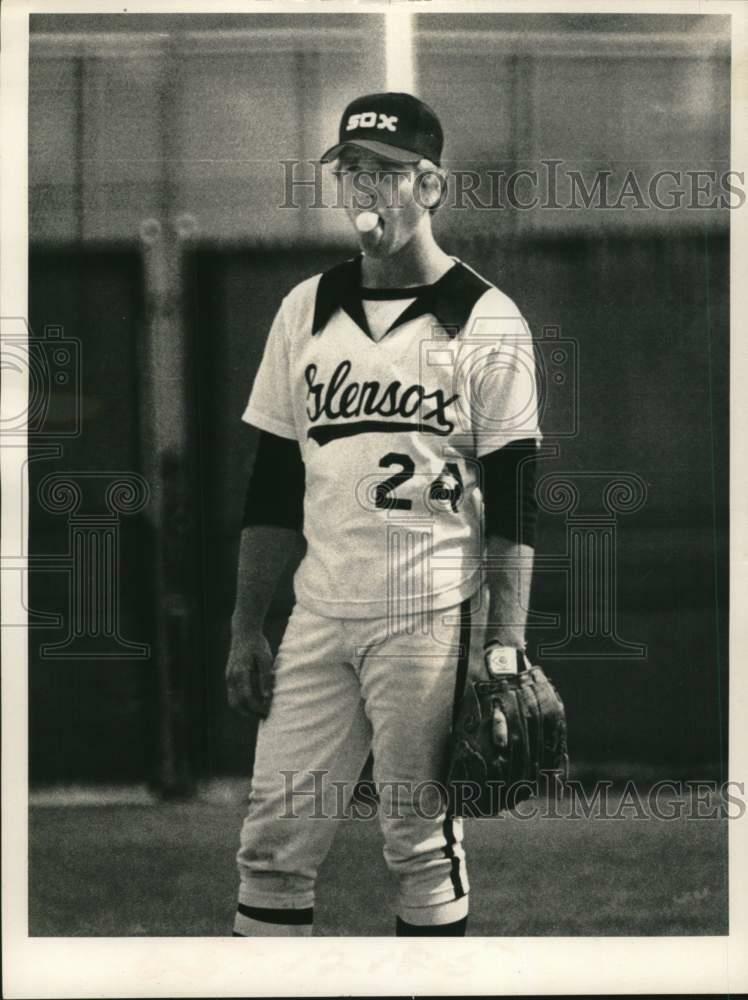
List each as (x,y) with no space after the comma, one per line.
(249,675)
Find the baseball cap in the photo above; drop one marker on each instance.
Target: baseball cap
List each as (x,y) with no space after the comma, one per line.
(394,125)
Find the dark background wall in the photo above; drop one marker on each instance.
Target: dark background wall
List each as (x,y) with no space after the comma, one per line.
(644,296)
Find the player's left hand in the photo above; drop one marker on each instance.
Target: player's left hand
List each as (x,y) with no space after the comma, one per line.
(510,729)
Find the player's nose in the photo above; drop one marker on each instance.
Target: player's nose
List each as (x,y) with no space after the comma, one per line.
(354,201)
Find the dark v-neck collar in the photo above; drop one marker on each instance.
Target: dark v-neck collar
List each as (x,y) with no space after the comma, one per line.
(450,299)
(392,294)
(340,287)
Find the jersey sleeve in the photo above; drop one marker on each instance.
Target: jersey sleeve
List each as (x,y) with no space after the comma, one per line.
(270,406)
(502,383)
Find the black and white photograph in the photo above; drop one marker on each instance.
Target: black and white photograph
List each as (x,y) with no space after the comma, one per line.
(373,522)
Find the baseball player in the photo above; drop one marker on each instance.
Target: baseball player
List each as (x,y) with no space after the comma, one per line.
(396,405)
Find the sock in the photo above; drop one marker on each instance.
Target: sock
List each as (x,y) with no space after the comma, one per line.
(455,929)
(261,921)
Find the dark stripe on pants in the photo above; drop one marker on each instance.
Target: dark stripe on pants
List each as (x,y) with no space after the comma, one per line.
(463,658)
(269,916)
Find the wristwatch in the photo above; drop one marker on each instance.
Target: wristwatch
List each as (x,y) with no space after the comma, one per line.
(503,659)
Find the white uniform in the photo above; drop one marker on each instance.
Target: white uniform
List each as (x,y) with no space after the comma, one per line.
(392,402)
(383,424)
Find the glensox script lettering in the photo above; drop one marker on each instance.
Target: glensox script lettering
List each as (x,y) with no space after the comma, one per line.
(341,398)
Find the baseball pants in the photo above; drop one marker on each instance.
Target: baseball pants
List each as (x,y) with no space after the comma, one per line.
(344,687)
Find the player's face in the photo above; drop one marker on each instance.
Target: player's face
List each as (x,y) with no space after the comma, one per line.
(368,183)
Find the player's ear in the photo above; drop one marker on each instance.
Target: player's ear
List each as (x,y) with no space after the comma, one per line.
(430,187)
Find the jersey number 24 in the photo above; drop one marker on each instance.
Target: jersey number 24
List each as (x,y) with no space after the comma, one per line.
(448,486)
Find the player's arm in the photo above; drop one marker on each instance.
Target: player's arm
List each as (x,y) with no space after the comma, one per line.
(271,533)
(510,514)
(507,439)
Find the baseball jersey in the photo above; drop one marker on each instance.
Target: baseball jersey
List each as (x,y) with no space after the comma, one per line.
(390,430)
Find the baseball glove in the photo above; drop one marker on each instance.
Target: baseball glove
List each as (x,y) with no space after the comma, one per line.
(509,729)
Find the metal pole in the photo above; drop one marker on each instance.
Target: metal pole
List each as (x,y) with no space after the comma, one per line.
(167,451)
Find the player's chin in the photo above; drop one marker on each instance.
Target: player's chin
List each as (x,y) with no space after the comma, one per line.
(376,243)
(378,251)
